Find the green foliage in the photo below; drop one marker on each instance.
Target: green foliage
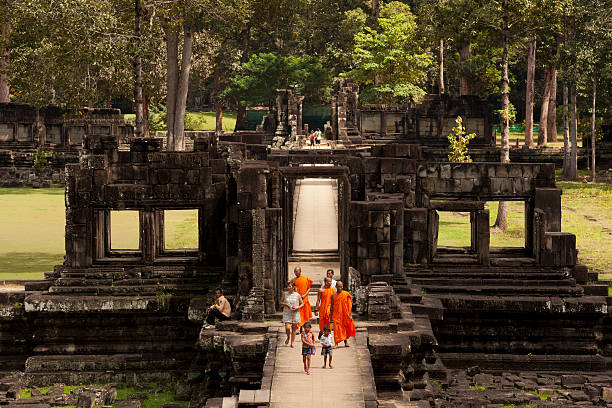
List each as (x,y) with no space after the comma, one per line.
(512,114)
(156,396)
(25,393)
(264,73)
(157,117)
(459,140)
(389,61)
(41,163)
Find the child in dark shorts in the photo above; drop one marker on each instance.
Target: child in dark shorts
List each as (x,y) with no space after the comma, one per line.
(308,343)
(326,346)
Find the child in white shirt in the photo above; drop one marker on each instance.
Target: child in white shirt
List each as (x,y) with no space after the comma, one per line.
(326,346)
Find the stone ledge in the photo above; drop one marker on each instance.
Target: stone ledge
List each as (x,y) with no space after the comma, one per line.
(75,304)
(526,304)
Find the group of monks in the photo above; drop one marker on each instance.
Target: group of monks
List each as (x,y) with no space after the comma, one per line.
(334,305)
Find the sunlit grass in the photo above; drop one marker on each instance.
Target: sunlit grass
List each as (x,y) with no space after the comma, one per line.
(181,229)
(202,120)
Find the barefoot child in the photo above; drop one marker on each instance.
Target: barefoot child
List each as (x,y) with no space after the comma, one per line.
(308,343)
(326,346)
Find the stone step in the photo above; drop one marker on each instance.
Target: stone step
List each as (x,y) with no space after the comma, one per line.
(113,362)
(519,262)
(489,274)
(44,378)
(117,346)
(145,290)
(506,290)
(128,282)
(520,347)
(515,362)
(430,281)
(481,268)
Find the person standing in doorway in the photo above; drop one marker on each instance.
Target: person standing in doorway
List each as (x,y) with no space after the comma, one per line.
(292,304)
(302,286)
(342,321)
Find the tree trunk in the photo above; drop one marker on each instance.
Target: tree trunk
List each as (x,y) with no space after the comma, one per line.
(551,123)
(4,64)
(544,110)
(464,54)
(241,113)
(593,168)
(552,103)
(218,118)
(572,172)
(138,102)
(531,58)
(218,102)
(566,141)
(375,10)
(501,223)
(146,129)
(181,95)
(171,85)
(441,74)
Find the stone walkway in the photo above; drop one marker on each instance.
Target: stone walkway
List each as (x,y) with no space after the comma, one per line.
(316,225)
(340,387)
(343,386)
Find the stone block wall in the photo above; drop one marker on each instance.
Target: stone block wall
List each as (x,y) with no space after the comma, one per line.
(494,181)
(24,129)
(429,122)
(376,236)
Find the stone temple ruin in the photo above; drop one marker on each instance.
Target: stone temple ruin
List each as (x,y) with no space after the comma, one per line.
(24,129)
(424,311)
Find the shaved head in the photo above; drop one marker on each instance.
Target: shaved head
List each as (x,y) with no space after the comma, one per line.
(297,271)
(339,286)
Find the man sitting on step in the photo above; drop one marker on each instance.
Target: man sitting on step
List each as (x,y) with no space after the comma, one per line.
(220,310)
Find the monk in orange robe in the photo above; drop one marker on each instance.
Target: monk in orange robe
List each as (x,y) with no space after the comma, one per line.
(341,306)
(324,304)
(302,286)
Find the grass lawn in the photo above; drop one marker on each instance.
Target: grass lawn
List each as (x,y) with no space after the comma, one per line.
(203,120)
(33,221)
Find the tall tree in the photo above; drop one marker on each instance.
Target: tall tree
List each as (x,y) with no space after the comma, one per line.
(441,68)
(531,58)
(501,223)
(138,98)
(241,112)
(4,52)
(593,124)
(566,138)
(543,128)
(551,123)
(389,61)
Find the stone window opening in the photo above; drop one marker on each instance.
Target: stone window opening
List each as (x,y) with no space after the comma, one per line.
(515,241)
(460,231)
(118,235)
(179,232)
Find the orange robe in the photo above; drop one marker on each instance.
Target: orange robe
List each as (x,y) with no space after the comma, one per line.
(325,308)
(302,284)
(344,327)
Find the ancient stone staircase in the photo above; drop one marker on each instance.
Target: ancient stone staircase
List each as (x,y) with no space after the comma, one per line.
(524,318)
(499,281)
